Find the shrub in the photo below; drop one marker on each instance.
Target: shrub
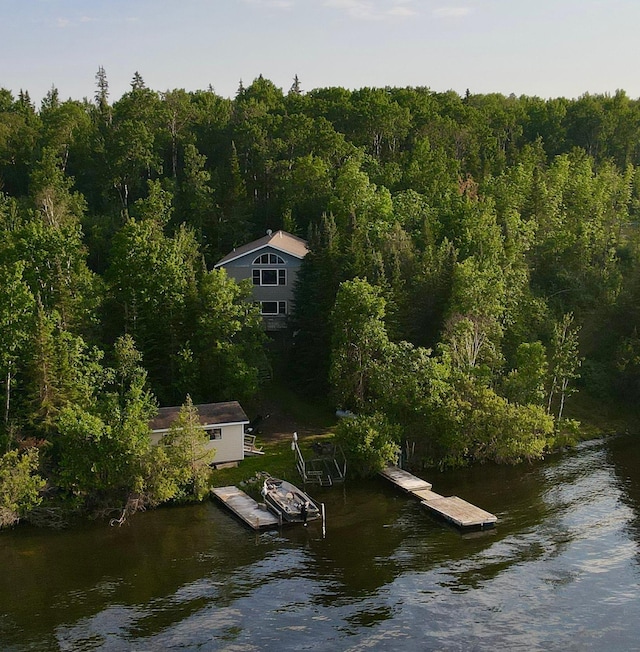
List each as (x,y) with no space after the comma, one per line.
(19,485)
(370,442)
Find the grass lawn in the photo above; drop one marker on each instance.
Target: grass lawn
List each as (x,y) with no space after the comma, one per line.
(278,460)
(289,413)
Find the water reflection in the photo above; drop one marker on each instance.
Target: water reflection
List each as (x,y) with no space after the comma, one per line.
(68,576)
(386,576)
(624,457)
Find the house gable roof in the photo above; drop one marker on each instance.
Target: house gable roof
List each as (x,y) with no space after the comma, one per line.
(209,414)
(280,240)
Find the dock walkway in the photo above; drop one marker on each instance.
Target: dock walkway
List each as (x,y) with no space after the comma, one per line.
(245,507)
(455,510)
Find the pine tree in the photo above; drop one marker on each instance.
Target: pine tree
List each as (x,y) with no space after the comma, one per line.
(137,83)
(102,90)
(295,87)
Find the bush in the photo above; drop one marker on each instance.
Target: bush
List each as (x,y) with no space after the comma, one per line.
(370,443)
(19,485)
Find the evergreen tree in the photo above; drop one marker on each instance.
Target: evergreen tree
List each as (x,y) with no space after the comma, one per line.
(359,339)
(188,451)
(102,90)
(16,319)
(317,285)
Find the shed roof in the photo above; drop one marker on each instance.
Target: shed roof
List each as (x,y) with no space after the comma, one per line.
(209,414)
(280,240)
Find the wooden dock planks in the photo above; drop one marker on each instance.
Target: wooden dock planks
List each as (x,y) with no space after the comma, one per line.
(453,509)
(405,480)
(245,507)
(460,512)
(426,494)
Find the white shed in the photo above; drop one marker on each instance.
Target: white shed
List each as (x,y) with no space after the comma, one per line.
(223,422)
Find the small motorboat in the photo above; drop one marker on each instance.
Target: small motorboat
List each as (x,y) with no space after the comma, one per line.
(288,502)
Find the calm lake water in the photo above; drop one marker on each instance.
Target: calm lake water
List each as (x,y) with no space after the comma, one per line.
(561,571)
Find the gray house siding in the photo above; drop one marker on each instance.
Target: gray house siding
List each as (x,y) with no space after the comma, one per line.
(273,273)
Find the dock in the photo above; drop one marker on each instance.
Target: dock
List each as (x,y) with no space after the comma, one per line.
(453,509)
(245,508)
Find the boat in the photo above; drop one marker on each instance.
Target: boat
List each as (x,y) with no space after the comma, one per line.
(287,502)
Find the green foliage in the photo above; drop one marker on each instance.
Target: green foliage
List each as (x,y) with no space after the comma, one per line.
(157,206)
(489,428)
(469,344)
(370,442)
(84,462)
(526,382)
(479,223)
(564,362)
(20,485)
(453,416)
(45,237)
(61,370)
(103,449)
(228,339)
(16,320)
(317,285)
(152,280)
(359,339)
(188,454)
(196,329)
(105,454)
(358,202)
(478,290)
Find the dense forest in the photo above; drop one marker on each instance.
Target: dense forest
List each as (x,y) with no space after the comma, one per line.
(474,260)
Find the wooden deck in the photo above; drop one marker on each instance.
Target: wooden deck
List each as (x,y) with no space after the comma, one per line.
(460,512)
(245,507)
(406,481)
(453,509)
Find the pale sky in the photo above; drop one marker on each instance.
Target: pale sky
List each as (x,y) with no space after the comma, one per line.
(548,48)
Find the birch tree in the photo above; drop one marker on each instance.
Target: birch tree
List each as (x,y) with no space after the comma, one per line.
(564,363)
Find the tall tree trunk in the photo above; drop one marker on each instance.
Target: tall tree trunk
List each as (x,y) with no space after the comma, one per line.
(8,397)
(563,393)
(174,155)
(552,392)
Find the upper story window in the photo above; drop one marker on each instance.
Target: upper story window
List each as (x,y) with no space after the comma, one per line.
(269,259)
(269,276)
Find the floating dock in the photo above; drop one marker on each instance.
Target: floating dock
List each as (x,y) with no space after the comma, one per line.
(453,509)
(245,508)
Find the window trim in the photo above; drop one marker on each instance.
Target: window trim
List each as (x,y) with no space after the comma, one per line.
(271,259)
(257,276)
(281,309)
(215,434)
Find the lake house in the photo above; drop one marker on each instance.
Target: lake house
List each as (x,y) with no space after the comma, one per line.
(272,262)
(223,422)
